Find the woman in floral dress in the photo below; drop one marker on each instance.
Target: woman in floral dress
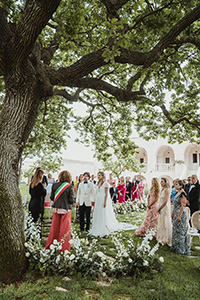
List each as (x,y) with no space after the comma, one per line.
(164,232)
(121,190)
(180,241)
(152,215)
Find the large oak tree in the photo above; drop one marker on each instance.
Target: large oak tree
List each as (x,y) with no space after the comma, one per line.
(117,57)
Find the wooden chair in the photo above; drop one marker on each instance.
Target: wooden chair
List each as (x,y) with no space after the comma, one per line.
(195,221)
(187,210)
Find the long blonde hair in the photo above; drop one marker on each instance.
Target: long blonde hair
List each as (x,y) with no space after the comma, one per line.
(167,183)
(103,179)
(155,187)
(37,177)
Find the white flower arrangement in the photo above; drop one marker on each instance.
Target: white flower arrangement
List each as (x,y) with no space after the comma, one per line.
(130,206)
(87,258)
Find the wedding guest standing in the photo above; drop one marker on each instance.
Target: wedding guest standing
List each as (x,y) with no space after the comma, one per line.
(93,179)
(113,193)
(111,180)
(180,241)
(45,184)
(37,192)
(188,184)
(173,190)
(63,197)
(128,189)
(121,190)
(152,215)
(194,195)
(134,190)
(77,214)
(141,190)
(164,232)
(51,180)
(85,199)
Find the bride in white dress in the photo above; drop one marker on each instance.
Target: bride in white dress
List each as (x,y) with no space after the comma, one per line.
(104,220)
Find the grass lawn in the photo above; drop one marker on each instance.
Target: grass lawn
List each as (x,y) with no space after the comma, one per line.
(180,278)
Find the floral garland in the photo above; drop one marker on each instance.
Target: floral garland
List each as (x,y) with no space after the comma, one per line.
(87,259)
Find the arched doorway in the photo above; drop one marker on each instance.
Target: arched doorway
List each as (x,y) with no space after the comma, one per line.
(141,156)
(192,157)
(165,159)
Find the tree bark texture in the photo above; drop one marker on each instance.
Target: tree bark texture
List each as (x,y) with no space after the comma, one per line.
(24,95)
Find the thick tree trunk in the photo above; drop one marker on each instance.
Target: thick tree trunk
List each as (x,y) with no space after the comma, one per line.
(22,103)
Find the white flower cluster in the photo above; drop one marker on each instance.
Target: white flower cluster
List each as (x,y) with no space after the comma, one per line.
(128,258)
(87,258)
(145,248)
(129,206)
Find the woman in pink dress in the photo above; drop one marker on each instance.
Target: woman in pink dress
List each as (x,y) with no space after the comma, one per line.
(134,190)
(152,215)
(121,190)
(141,190)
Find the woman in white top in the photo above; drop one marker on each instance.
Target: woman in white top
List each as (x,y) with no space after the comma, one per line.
(104,220)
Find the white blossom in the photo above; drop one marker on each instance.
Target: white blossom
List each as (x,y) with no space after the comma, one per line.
(58,259)
(161,259)
(100,254)
(145,263)
(126,254)
(72,256)
(60,247)
(52,247)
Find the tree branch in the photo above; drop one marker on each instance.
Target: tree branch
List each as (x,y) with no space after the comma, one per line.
(100,85)
(48,52)
(156,52)
(5,34)
(112,7)
(36,15)
(73,98)
(187,39)
(178,120)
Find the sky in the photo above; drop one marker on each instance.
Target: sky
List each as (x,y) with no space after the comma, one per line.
(77,151)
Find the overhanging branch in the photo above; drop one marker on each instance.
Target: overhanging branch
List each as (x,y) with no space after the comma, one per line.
(36,15)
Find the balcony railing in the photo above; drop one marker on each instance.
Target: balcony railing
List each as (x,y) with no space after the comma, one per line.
(164,167)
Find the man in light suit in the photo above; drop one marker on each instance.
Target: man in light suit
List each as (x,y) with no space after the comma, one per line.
(85,200)
(194,195)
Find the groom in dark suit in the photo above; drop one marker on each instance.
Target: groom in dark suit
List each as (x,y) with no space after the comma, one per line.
(194,195)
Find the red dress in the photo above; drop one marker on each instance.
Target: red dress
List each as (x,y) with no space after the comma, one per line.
(141,190)
(134,193)
(121,193)
(151,219)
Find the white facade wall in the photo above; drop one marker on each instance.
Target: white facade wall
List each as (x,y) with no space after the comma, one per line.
(161,159)
(171,160)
